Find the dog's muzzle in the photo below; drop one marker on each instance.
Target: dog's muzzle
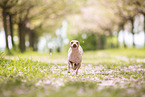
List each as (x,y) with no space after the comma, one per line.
(74,45)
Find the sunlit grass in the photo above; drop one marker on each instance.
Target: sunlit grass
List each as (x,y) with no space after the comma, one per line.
(111,56)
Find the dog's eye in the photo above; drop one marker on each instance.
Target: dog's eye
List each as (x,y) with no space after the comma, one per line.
(77,42)
(71,43)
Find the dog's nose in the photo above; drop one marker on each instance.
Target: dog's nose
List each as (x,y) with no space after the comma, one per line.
(74,45)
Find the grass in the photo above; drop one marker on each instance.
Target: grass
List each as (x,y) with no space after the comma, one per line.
(105,73)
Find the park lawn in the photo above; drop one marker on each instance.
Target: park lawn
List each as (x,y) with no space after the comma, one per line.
(104,73)
(89,57)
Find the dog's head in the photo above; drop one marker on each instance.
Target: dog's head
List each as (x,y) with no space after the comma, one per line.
(74,44)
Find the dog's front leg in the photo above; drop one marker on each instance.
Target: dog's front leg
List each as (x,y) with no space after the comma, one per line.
(68,67)
(78,68)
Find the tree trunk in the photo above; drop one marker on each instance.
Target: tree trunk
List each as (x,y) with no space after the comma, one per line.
(31,39)
(124,44)
(111,45)
(118,38)
(103,41)
(21,29)
(11,30)
(144,29)
(121,27)
(133,40)
(35,46)
(4,14)
(132,28)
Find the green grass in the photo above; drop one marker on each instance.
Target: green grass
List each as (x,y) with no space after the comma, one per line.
(104,73)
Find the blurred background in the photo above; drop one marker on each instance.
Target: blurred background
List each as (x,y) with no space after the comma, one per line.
(49,25)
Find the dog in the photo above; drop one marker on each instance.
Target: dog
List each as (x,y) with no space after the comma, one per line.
(75,54)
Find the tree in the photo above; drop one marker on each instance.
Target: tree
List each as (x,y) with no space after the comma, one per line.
(6,6)
(49,17)
(126,11)
(140,5)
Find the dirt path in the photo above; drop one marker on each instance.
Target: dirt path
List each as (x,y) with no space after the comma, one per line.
(117,76)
